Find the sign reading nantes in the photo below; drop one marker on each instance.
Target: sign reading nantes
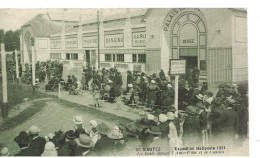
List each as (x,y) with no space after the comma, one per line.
(115,40)
(139,39)
(177,67)
(90,41)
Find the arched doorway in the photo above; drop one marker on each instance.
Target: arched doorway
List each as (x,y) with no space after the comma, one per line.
(188,41)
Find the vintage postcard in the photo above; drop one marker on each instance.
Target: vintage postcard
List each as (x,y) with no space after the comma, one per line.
(124,82)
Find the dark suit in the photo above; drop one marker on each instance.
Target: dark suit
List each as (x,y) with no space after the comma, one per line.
(225,127)
(28,152)
(81,151)
(191,130)
(104,146)
(38,144)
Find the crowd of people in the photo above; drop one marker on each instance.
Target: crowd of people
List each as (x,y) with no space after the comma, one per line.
(220,120)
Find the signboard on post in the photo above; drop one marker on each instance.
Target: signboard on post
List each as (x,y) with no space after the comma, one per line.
(177,67)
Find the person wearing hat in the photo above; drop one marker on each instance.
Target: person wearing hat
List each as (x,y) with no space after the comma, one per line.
(23,141)
(85,146)
(152,93)
(163,125)
(174,130)
(168,96)
(68,148)
(191,127)
(50,150)
(38,142)
(226,126)
(118,137)
(79,128)
(104,145)
(92,132)
(155,139)
(3,150)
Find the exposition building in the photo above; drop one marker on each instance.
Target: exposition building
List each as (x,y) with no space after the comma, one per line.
(213,40)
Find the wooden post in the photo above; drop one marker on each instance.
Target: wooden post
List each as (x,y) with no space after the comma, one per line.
(176,92)
(4,77)
(59,91)
(98,23)
(33,64)
(17,66)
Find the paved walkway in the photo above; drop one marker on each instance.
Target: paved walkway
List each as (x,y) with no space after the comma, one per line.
(85,98)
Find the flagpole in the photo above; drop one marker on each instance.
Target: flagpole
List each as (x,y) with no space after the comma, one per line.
(98,23)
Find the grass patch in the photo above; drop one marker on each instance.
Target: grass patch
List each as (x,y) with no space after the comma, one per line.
(93,111)
(20,118)
(17,92)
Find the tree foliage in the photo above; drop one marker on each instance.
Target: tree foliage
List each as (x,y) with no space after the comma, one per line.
(11,39)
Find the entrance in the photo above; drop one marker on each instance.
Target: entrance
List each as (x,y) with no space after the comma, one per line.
(191,57)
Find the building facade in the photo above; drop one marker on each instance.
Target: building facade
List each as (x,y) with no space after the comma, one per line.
(213,40)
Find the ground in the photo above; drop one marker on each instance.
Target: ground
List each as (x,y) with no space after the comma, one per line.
(52,114)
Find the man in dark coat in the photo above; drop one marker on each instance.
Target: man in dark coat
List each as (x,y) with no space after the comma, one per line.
(191,128)
(68,148)
(23,141)
(226,126)
(38,142)
(104,145)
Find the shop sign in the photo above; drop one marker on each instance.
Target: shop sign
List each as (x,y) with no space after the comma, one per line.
(55,43)
(115,40)
(177,67)
(71,43)
(139,39)
(90,41)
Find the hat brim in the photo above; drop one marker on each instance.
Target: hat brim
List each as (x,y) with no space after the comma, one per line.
(114,137)
(155,133)
(82,145)
(77,122)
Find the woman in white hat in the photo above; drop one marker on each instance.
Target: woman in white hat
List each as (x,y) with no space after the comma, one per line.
(50,150)
(173,130)
(93,133)
(79,127)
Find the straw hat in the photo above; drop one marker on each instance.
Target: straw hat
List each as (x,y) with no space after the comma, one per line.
(109,81)
(77,120)
(93,123)
(155,130)
(152,81)
(200,96)
(84,141)
(169,85)
(34,129)
(103,129)
(4,151)
(170,115)
(70,135)
(209,100)
(191,110)
(130,85)
(150,117)
(49,146)
(230,100)
(115,133)
(162,118)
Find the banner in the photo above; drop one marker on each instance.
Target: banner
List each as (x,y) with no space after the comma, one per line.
(139,39)
(90,41)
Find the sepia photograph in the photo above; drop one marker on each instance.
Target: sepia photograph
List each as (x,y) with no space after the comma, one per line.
(124,82)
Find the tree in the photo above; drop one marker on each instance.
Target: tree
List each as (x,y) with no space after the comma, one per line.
(12,40)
